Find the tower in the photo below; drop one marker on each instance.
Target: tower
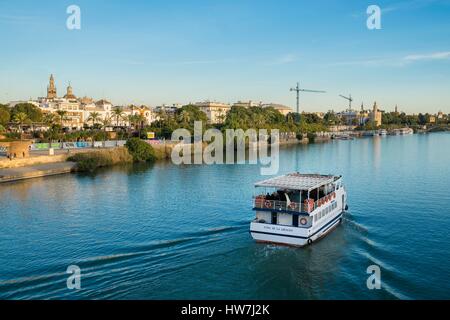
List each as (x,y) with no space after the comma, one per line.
(69,94)
(51,89)
(376,116)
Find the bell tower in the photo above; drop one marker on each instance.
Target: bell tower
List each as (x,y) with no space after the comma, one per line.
(51,89)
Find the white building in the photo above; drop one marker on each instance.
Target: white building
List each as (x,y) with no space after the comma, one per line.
(215,111)
(248,104)
(284,110)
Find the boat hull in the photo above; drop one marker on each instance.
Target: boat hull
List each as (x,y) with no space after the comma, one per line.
(292,236)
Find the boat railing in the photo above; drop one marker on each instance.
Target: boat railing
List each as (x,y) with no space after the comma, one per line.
(276,205)
(260,202)
(324,200)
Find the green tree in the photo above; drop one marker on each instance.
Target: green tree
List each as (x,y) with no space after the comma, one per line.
(330,118)
(118,114)
(21,118)
(49,119)
(33,113)
(94,117)
(140,150)
(62,116)
(5,116)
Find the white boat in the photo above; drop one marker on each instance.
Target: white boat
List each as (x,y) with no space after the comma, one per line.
(297,209)
(402,132)
(382,132)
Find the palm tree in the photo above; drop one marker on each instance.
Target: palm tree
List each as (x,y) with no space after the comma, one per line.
(184,117)
(94,117)
(62,116)
(20,118)
(49,119)
(105,123)
(132,120)
(118,113)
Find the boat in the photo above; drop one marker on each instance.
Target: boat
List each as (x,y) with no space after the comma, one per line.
(402,131)
(382,132)
(297,209)
(370,133)
(343,137)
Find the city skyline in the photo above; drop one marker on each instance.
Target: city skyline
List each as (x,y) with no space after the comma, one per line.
(156,53)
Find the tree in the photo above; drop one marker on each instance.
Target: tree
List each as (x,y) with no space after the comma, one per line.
(140,150)
(33,113)
(330,118)
(62,116)
(118,113)
(106,122)
(184,117)
(5,116)
(20,118)
(94,117)
(49,119)
(131,119)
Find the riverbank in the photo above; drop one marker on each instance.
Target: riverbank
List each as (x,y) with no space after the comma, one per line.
(36,171)
(45,165)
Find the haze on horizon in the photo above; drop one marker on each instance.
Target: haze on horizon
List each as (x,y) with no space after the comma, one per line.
(155,52)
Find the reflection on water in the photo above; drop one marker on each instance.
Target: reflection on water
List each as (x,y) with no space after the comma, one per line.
(162,231)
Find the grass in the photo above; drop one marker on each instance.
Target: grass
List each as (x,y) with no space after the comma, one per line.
(90,161)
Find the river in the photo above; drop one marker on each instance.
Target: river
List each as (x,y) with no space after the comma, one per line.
(181,232)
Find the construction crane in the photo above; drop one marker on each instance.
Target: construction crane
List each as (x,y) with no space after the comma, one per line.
(349,99)
(298,90)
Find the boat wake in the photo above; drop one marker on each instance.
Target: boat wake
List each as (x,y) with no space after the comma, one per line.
(162,256)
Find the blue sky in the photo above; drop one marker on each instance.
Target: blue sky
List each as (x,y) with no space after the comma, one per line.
(157,52)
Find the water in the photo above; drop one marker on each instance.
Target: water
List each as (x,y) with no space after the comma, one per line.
(169,232)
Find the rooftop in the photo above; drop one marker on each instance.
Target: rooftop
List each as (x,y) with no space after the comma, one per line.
(297,181)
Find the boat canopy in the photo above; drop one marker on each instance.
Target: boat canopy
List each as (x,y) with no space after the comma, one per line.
(298,181)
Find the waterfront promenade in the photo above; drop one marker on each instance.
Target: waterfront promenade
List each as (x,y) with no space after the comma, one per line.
(35,171)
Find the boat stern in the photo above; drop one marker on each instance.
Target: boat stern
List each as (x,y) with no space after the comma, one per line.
(269,233)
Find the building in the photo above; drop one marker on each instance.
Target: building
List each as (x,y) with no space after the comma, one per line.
(51,89)
(349,117)
(284,110)
(363,116)
(215,111)
(168,109)
(102,108)
(376,115)
(320,115)
(69,94)
(247,104)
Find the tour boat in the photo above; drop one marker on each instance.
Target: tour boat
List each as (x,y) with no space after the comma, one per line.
(297,209)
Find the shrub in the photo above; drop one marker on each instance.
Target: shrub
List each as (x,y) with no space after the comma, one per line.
(140,150)
(2,128)
(13,135)
(311,137)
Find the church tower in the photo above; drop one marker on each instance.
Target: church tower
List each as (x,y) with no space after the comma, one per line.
(51,89)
